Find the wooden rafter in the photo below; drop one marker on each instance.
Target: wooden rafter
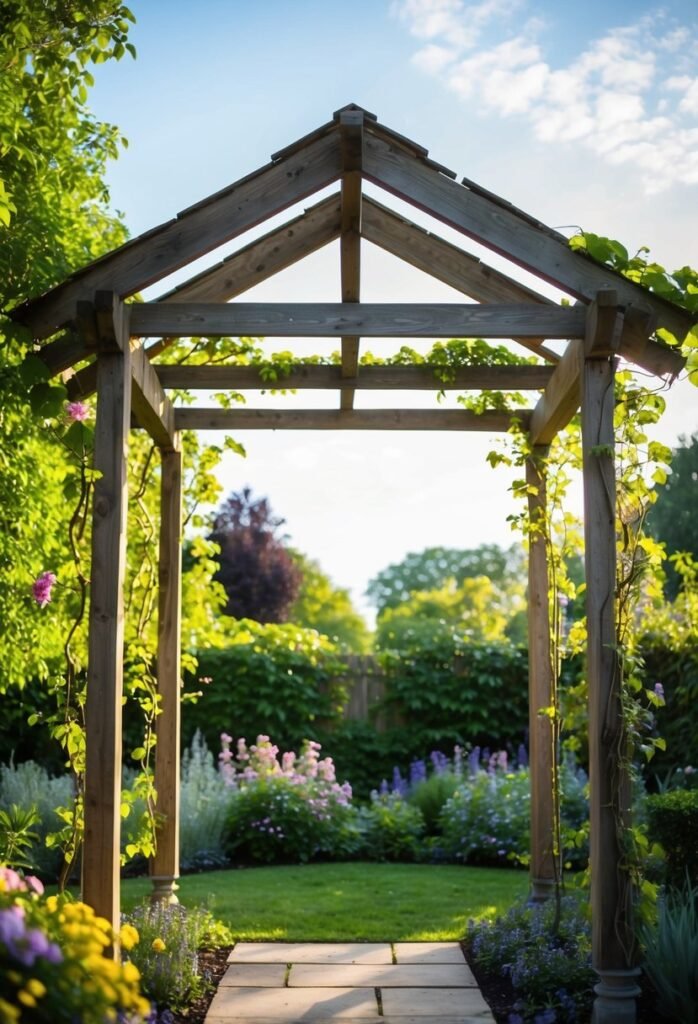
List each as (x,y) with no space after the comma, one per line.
(193,233)
(447,263)
(261,259)
(372,378)
(346,419)
(371,320)
(351,127)
(151,406)
(504,229)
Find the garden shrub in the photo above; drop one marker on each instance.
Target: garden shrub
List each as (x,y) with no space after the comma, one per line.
(286,811)
(673,823)
(450,690)
(279,680)
(487,820)
(52,967)
(205,800)
(548,966)
(671,955)
(431,796)
(29,785)
(167,952)
(392,829)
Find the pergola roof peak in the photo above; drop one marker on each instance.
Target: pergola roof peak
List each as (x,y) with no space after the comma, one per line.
(353,148)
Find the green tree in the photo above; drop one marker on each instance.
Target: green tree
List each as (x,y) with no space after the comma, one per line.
(672,519)
(327,608)
(432,568)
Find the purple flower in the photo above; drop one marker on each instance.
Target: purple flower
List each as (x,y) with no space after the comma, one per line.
(659,691)
(77,411)
(41,589)
(522,756)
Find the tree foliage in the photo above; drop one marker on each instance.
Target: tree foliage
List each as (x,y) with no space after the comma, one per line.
(327,608)
(672,519)
(432,568)
(257,572)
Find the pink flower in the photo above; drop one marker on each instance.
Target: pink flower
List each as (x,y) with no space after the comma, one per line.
(34,884)
(77,411)
(41,589)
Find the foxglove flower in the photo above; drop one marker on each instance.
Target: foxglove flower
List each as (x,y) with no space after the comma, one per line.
(41,589)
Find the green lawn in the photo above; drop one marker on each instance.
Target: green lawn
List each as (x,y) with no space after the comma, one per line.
(351,902)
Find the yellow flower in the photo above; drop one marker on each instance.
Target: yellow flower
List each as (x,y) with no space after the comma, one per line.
(8,1014)
(128,936)
(36,988)
(26,998)
(158,946)
(130,972)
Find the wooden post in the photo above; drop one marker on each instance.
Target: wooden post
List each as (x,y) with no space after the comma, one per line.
(164,867)
(100,869)
(613,949)
(544,869)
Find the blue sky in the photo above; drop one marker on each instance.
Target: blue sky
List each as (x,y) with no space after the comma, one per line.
(582,114)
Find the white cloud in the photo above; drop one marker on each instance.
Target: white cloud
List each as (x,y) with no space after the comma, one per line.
(614,98)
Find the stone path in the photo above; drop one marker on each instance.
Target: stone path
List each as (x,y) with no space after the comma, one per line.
(348,983)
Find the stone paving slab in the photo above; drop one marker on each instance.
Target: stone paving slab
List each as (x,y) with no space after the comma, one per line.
(312,953)
(255,975)
(434,1003)
(428,953)
(287,1004)
(381,976)
(352,1020)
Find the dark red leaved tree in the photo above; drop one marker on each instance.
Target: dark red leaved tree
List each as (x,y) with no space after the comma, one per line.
(257,572)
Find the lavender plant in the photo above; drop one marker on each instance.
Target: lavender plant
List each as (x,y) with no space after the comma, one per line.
(205,799)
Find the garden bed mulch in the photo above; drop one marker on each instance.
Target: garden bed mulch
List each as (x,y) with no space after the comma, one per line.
(496,989)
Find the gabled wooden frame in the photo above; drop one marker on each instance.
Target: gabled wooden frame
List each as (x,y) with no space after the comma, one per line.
(613,317)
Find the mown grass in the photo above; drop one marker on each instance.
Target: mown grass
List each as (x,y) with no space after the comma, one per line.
(347,902)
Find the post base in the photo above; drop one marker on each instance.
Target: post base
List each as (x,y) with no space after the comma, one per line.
(164,889)
(616,993)
(542,890)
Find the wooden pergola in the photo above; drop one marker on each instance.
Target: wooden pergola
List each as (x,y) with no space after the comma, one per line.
(87,318)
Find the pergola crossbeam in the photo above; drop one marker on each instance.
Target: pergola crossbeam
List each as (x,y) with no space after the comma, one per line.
(346,419)
(151,406)
(372,320)
(373,378)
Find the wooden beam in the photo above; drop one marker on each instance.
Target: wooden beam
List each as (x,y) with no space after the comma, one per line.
(373,378)
(346,419)
(193,233)
(100,869)
(613,943)
(264,257)
(164,867)
(372,320)
(560,400)
(505,230)
(151,406)
(447,263)
(544,867)
(351,130)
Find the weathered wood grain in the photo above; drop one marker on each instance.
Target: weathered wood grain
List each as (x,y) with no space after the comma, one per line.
(560,400)
(194,232)
(151,406)
(372,378)
(447,263)
(345,419)
(611,891)
(351,128)
(544,870)
(500,228)
(371,320)
(100,867)
(164,867)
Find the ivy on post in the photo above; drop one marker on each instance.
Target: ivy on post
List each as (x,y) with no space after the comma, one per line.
(100,869)
(164,866)
(545,872)
(613,943)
